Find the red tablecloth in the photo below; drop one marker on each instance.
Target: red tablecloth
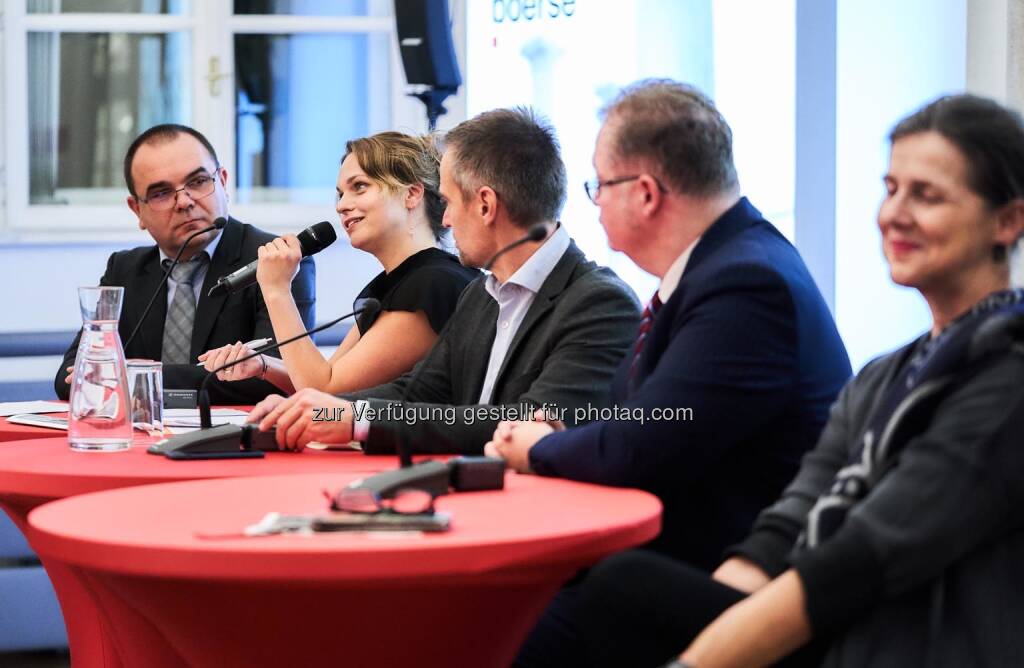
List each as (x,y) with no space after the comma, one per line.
(167,596)
(33,472)
(41,470)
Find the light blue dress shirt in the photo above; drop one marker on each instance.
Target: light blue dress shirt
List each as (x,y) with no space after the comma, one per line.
(514,298)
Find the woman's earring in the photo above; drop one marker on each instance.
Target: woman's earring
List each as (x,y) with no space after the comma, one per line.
(999,253)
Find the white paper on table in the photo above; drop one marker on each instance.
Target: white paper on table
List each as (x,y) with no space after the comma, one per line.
(8,408)
(189,417)
(175,431)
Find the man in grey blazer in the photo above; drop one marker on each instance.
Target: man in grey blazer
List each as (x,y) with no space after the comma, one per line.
(546,330)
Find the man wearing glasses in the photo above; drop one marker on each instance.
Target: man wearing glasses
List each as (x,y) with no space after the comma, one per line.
(736,362)
(176,187)
(546,329)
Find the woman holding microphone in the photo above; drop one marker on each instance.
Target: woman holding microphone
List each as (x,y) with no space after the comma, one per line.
(389,205)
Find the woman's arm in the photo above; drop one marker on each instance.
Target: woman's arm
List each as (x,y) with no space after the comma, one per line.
(757,631)
(264,367)
(275,373)
(741,574)
(278,264)
(392,346)
(395,342)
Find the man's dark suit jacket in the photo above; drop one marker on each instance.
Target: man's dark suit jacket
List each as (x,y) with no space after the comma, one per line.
(745,341)
(219,320)
(564,354)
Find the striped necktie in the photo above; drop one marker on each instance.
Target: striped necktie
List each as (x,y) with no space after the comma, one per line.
(181,314)
(646,322)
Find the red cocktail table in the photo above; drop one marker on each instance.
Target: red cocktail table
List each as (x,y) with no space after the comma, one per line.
(34,472)
(167,596)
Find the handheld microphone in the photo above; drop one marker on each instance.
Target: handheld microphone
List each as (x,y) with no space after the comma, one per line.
(226,439)
(217,225)
(313,239)
(537,232)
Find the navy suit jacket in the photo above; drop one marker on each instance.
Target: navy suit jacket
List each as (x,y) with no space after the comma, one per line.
(745,341)
(219,320)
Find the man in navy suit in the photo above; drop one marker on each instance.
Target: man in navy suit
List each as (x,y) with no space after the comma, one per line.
(737,359)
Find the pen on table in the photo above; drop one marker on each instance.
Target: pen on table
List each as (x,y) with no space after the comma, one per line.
(252,345)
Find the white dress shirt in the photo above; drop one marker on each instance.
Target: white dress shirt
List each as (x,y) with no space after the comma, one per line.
(670,280)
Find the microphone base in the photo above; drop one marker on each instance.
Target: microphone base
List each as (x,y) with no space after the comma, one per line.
(428,476)
(224,441)
(461,474)
(477,474)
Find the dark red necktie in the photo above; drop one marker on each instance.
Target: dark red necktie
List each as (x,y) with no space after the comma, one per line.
(646,322)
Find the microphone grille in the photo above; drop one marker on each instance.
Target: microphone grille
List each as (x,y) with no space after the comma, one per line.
(537,232)
(317,237)
(219,223)
(370,307)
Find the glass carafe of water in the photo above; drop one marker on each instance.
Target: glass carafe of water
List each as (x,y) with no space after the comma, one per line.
(98,415)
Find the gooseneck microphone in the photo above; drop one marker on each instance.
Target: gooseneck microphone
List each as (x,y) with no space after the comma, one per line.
(463,474)
(403,448)
(313,239)
(217,225)
(230,439)
(537,232)
(369,306)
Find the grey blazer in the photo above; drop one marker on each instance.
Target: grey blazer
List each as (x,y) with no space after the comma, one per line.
(564,355)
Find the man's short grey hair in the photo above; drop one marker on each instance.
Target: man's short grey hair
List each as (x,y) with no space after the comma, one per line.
(677,131)
(515,152)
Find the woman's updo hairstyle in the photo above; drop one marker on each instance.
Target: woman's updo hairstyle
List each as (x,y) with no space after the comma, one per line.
(395,160)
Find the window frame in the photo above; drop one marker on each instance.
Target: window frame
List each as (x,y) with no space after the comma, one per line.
(212,27)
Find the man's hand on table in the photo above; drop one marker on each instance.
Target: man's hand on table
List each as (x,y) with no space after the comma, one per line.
(512,440)
(306,416)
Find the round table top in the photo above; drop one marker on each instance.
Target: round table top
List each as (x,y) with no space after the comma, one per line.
(192,530)
(47,468)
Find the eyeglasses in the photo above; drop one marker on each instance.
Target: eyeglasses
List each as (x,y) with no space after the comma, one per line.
(408,501)
(594,186)
(197,187)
